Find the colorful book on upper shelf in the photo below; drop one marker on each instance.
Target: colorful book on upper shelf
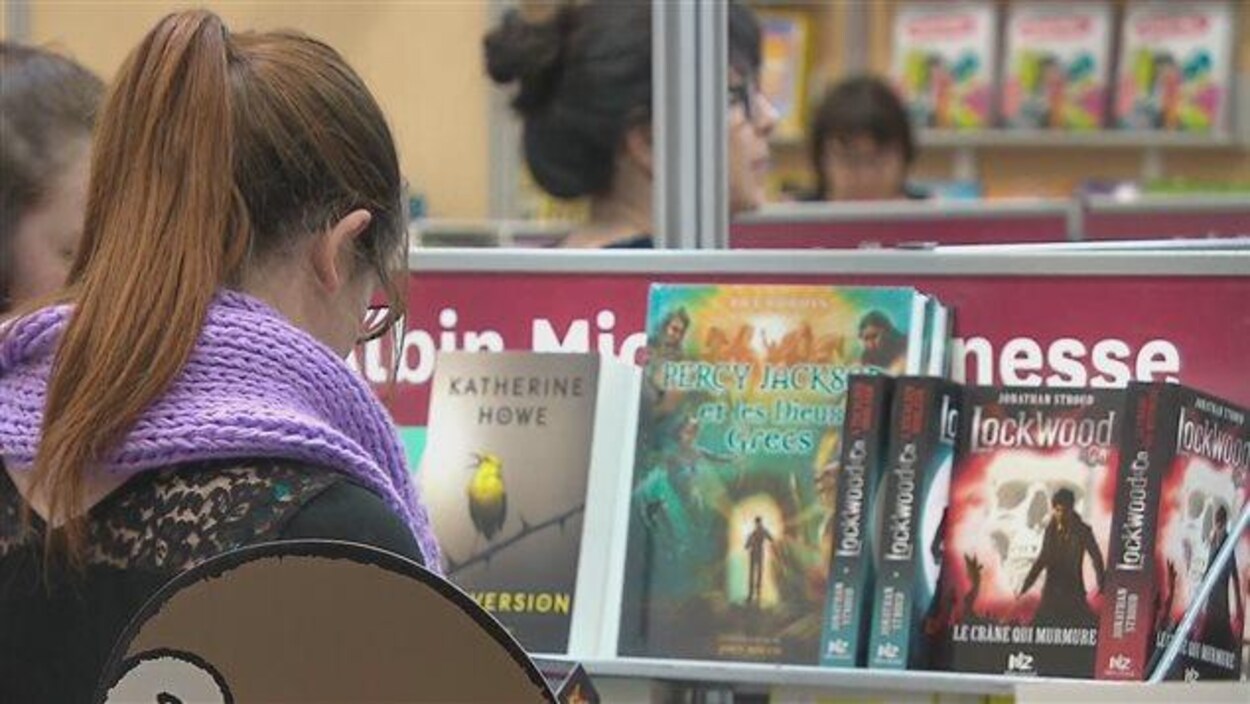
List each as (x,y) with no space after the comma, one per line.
(522,453)
(1057,65)
(1185,478)
(1028,531)
(944,62)
(739,438)
(1175,66)
(785,44)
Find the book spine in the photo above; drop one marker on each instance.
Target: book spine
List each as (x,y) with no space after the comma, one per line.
(1126,628)
(934,467)
(917,338)
(938,364)
(844,637)
(895,535)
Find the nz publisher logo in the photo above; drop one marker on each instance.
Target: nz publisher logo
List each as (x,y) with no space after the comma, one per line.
(1120,663)
(888,651)
(1191,675)
(839,647)
(1019,662)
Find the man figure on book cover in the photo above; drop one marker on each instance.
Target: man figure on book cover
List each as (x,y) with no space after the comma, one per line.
(1068,538)
(884,346)
(755,546)
(668,346)
(1218,626)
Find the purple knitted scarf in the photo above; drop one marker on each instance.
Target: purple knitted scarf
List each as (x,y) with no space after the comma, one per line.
(255,386)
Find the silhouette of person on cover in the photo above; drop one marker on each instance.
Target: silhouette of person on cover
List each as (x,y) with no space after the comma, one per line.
(1218,627)
(883,344)
(1065,543)
(755,546)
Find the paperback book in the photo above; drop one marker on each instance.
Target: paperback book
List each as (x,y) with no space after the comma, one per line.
(1028,531)
(848,603)
(1183,484)
(1057,65)
(944,62)
(737,455)
(522,450)
(1175,66)
(910,516)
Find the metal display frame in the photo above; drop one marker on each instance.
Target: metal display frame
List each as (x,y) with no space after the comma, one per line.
(944,261)
(702,679)
(689,74)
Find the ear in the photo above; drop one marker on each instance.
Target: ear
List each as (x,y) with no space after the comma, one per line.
(638,147)
(333,254)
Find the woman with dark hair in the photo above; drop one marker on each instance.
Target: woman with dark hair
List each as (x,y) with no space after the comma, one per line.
(187,394)
(584,97)
(47,109)
(861,143)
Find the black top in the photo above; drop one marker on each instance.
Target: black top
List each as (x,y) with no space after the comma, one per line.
(60,625)
(642,241)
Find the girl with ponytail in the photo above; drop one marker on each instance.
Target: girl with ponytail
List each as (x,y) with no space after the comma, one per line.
(187,394)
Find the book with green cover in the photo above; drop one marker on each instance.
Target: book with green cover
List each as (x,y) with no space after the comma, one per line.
(739,437)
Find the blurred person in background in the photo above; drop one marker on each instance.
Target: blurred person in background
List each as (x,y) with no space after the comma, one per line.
(861,143)
(47,109)
(245,203)
(584,98)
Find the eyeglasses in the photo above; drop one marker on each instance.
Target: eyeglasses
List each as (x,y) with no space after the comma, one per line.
(747,94)
(378,320)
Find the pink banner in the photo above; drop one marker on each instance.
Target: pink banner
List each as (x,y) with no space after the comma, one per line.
(1030,330)
(1137,225)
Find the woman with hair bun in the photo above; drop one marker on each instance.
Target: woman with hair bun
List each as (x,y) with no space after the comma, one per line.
(47,109)
(187,394)
(584,97)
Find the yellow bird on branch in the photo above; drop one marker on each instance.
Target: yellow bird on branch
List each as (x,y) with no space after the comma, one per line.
(488,498)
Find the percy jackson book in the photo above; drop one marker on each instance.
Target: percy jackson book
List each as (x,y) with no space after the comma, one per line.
(910,512)
(844,641)
(1183,482)
(738,446)
(1028,531)
(519,444)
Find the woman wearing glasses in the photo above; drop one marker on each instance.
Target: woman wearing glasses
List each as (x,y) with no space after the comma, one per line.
(188,395)
(584,96)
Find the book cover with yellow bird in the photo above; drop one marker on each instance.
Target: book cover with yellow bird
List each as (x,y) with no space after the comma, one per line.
(736,459)
(511,450)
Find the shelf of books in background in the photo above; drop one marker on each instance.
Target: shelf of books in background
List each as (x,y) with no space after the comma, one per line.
(785,69)
(1175,66)
(944,61)
(524,456)
(1056,67)
(738,447)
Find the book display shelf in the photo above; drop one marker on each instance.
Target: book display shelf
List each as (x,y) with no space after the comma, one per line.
(1174,314)
(1000,80)
(850,225)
